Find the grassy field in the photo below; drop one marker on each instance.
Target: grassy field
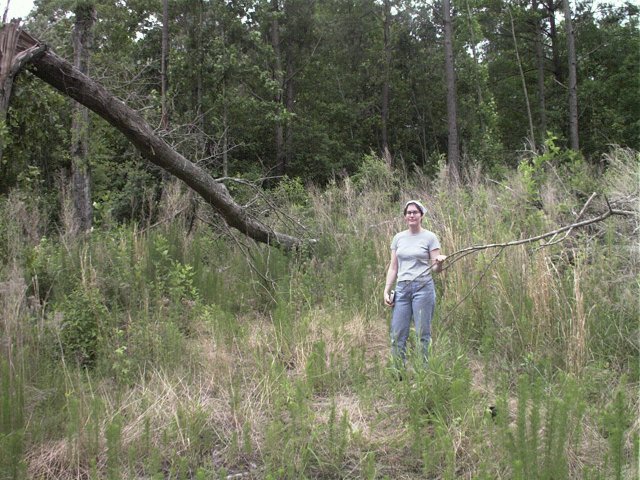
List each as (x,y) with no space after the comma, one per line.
(180,350)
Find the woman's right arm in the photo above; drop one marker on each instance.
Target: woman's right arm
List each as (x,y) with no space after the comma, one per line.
(392,273)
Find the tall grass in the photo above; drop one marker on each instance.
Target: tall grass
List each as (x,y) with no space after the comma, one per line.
(174,352)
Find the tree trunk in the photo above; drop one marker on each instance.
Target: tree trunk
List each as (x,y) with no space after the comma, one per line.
(164,63)
(384,120)
(452,114)
(8,43)
(542,107)
(225,132)
(279,78)
(553,36)
(573,78)
(80,167)
(200,56)
(63,76)
(289,105)
(532,137)
(14,54)
(474,55)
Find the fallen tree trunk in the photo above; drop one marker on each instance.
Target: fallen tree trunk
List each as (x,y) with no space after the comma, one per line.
(12,59)
(62,75)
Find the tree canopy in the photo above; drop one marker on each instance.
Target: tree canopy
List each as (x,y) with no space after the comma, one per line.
(259,88)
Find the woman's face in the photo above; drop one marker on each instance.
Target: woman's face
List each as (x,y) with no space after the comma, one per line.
(412,215)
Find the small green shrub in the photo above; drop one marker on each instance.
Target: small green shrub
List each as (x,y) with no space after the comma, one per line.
(291,192)
(441,387)
(225,327)
(536,452)
(318,374)
(114,448)
(616,423)
(85,320)
(12,424)
(288,445)
(374,174)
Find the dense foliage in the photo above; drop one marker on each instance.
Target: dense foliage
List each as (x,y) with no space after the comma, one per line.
(292,87)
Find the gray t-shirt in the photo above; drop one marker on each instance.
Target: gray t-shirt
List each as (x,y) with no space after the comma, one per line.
(413,252)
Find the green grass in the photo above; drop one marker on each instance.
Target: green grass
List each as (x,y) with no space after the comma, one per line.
(156,354)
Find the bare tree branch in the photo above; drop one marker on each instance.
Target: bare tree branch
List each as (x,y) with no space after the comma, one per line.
(568,232)
(458,255)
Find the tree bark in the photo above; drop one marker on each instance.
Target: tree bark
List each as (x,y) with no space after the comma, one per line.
(14,54)
(542,107)
(384,120)
(474,55)
(289,105)
(452,114)
(8,44)
(550,5)
(225,131)
(532,136)
(573,78)
(279,77)
(60,74)
(80,166)
(164,63)
(201,62)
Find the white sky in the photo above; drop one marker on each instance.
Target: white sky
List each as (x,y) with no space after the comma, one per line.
(20,8)
(17,8)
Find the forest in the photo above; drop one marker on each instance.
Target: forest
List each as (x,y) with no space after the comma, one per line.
(197,200)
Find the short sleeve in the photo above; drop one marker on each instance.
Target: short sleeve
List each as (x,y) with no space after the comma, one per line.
(394,242)
(434,244)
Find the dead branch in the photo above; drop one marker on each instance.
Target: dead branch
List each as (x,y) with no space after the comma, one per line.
(458,255)
(568,232)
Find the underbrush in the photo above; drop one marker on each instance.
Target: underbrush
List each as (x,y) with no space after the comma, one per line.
(159,354)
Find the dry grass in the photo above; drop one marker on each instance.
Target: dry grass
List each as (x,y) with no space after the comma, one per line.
(233,392)
(576,352)
(217,406)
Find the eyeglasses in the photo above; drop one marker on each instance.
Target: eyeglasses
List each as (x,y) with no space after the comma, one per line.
(413,212)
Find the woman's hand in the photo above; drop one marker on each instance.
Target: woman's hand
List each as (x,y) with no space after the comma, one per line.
(387,299)
(437,263)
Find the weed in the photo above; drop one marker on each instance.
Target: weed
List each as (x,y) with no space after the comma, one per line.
(12,422)
(191,355)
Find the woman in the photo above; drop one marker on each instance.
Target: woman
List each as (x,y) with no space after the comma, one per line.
(415,254)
